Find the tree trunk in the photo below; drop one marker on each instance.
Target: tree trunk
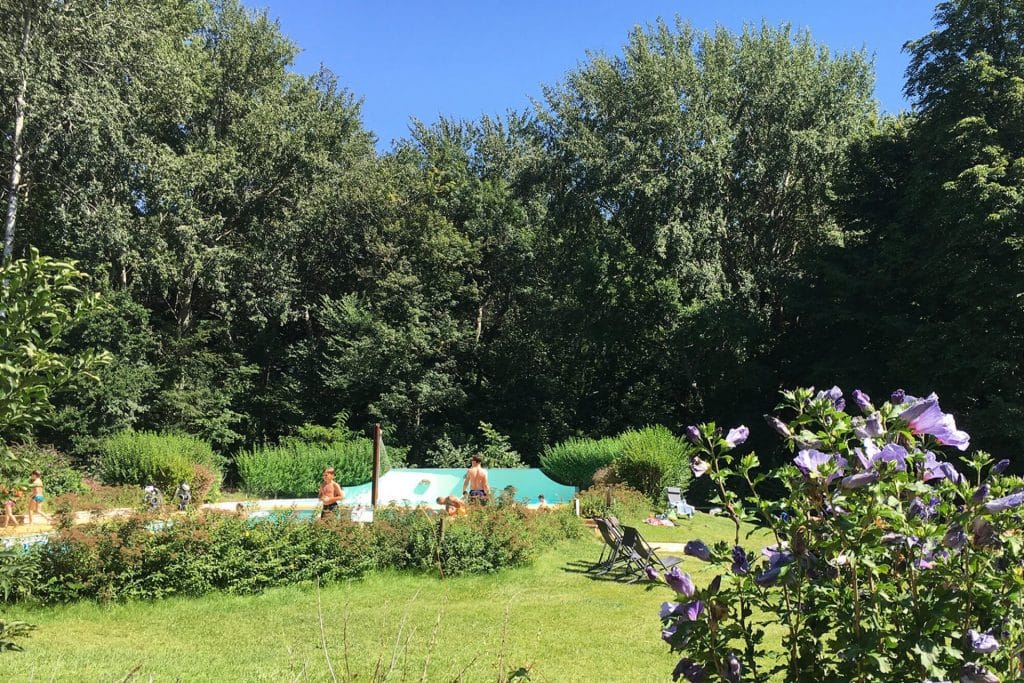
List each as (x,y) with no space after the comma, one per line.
(14,181)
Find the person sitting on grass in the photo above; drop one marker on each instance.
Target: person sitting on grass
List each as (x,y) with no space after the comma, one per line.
(330,493)
(476,481)
(453,505)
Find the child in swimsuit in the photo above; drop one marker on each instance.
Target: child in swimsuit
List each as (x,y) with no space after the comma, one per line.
(37,495)
(9,518)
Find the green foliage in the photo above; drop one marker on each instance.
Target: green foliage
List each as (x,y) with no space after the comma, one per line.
(40,299)
(58,474)
(142,558)
(295,468)
(575,461)
(869,503)
(163,460)
(125,559)
(496,451)
(614,500)
(652,458)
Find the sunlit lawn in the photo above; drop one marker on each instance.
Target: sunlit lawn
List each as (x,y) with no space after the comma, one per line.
(550,617)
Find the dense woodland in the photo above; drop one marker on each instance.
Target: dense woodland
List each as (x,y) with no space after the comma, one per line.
(673,234)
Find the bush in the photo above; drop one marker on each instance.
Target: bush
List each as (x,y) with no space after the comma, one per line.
(616,500)
(59,477)
(143,558)
(164,460)
(295,468)
(653,458)
(127,559)
(575,461)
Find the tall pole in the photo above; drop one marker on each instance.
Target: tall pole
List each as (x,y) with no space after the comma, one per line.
(376,465)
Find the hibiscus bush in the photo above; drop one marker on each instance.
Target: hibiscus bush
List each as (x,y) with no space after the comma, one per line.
(889,562)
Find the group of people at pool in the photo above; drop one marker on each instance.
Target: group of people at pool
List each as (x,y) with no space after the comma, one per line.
(11,500)
(475,485)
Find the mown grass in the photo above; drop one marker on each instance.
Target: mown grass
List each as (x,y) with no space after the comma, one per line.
(549,617)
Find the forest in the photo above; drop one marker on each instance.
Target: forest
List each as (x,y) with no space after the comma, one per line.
(678,230)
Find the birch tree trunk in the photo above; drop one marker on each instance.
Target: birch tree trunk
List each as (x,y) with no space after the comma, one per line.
(17,151)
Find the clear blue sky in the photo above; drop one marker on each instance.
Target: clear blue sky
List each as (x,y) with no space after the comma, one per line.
(462,59)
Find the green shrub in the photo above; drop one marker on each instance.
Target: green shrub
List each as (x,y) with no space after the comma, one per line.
(295,468)
(575,461)
(59,477)
(127,559)
(616,500)
(143,558)
(652,458)
(164,460)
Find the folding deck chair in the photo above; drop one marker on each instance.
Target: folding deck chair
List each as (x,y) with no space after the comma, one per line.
(677,502)
(639,555)
(610,552)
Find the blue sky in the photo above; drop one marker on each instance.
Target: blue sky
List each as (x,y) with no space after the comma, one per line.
(462,59)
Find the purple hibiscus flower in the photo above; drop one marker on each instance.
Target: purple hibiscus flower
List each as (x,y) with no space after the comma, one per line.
(975,673)
(693,610)
(669,632)
(980,493)
(733,669)
(835,394)
(932,468)
(698,466)
(918,508)
(693,434)
(925,417)
(698,549)
(776,557)
(810,461)
(768,578)
(898,397)
(778,425)
(670,609)
(855,481)
(1006,502)
(869,427)
(955,538)
(680,582)
(690,670)
(736,436)
(740,563)
(1000,466)
(982,642)
(892,453)
(862,400)
(652,573)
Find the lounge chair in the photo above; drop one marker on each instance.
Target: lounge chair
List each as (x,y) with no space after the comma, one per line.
(610,555)
(639,555)
(677,503)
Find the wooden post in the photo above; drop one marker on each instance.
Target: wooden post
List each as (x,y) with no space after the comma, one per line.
(376,466)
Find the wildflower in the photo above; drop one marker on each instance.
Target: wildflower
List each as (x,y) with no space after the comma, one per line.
(862,400)
(778,425)
(855,481)
(690,670)
(698,549)
(980,494)
(736,436)
(1000,466)
(693,434)
(925,417)
(809,461)
(740,563)
(680,582)
(1005,503)
(870,427)
(698,466)
(733,669)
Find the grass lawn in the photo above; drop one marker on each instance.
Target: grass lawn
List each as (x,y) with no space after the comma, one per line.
(550,616)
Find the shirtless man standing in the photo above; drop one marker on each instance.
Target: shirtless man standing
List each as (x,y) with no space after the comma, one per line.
(476,481)
(330,493)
